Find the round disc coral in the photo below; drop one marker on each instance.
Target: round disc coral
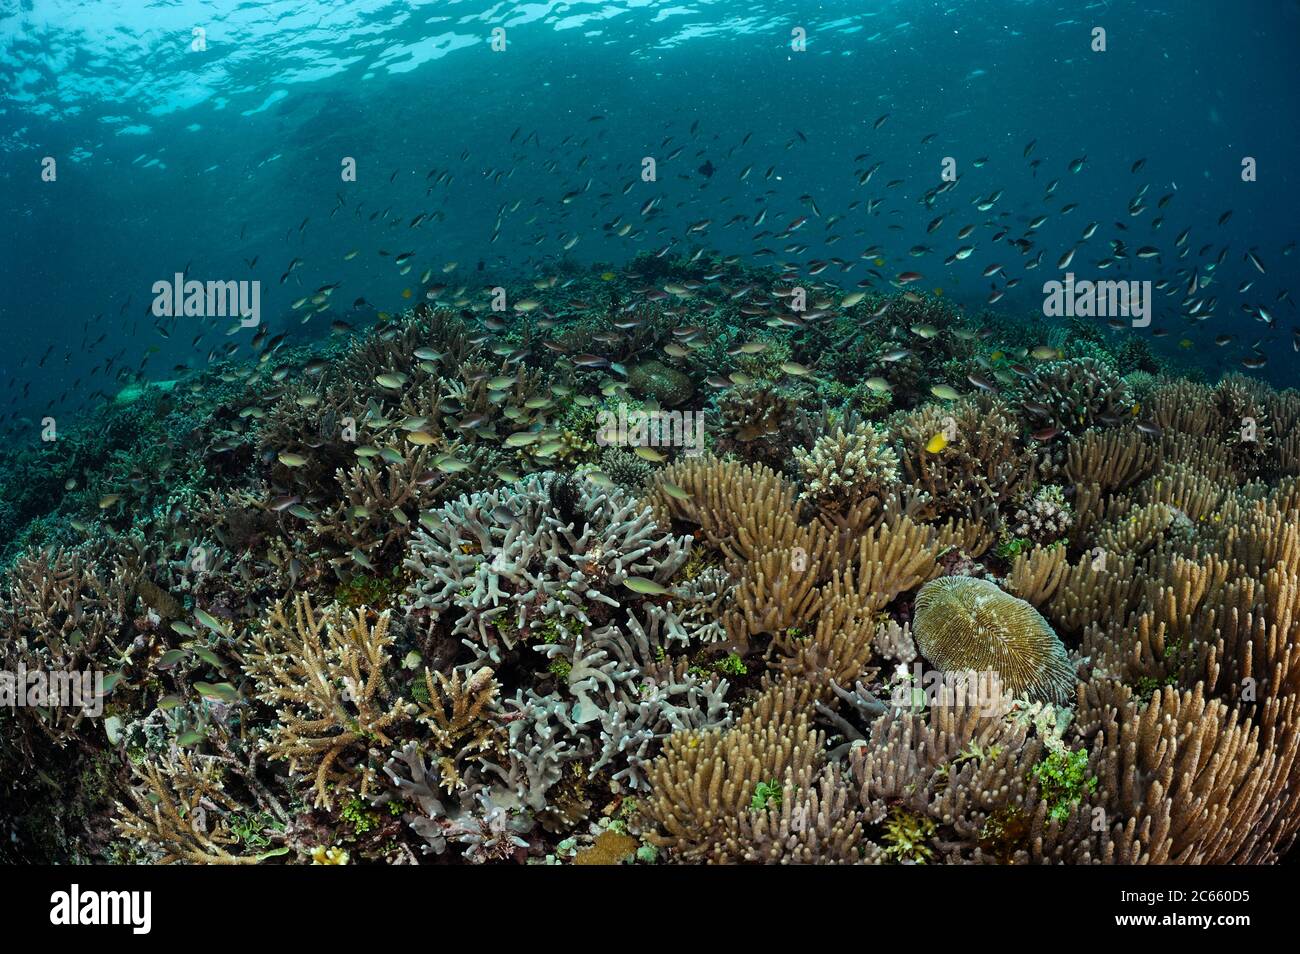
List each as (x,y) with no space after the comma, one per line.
(962,622)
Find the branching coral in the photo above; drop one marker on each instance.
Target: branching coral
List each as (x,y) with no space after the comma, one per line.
(325,674)
(1072,396)
(184,807)
(703,788)
(978,464)
(844,469)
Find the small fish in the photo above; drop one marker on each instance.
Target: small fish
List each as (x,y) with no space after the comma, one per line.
(451,465)
(945,392)
(646,587)
(650,454)
(211,622)
(290,459)
(936,443)
(878,385)
(672,490)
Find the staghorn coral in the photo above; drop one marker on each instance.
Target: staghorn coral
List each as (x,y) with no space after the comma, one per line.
(66,613)
(963,623)
(325,674)
(464,718)
(559,596)
(184,809)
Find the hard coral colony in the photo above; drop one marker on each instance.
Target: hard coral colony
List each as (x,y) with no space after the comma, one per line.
(467,633)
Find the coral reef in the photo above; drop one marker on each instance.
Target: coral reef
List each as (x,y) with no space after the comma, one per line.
(387,598)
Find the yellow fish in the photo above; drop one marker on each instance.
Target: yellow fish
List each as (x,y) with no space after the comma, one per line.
(937,443)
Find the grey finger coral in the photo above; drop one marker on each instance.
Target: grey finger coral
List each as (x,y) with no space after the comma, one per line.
(567,590)
(966,623)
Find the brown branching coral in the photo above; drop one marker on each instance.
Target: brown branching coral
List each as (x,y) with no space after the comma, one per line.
(67,612)
(981,465)
(464,719)
(966,769)
(1182,781)
(184,807)
(1111,458)
(706,785)
(743,510)
(325,673)
(1037,574)
(839,647)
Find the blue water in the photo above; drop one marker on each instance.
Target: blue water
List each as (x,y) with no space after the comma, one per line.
(225,162)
